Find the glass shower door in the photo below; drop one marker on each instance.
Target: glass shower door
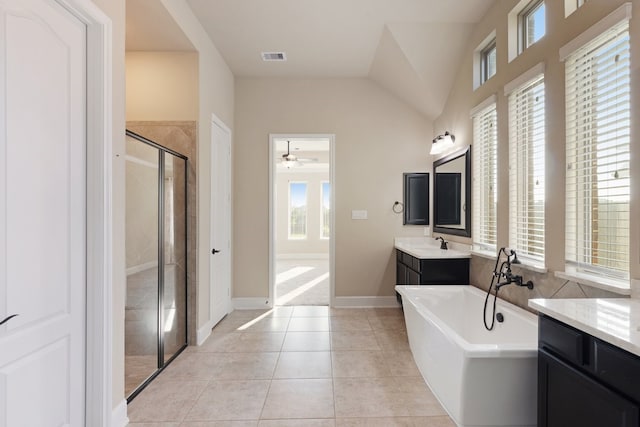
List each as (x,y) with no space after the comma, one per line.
(156,254)
(141,307)
(175,256)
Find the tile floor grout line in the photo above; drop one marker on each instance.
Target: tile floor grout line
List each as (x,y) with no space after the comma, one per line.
(383,335)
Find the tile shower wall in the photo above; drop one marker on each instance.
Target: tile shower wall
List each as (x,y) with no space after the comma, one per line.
(546,285)
(180,136)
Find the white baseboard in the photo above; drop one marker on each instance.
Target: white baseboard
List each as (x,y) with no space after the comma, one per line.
(250,303)
(203,333)
(284,257)
(363,302)
(142,267)
(119,415)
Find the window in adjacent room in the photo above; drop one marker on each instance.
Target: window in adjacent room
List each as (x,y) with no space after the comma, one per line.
(598,122)
(527,165)
(297,210)
(488,61)
(531,24)
(325,207)
(485,168)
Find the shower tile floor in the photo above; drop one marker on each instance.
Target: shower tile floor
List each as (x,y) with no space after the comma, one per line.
(141,325)
(294,366)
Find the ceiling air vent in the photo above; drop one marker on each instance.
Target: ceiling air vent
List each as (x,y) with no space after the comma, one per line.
(274,56)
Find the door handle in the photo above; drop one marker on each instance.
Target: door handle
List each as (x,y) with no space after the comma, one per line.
(7,319)
(214,251)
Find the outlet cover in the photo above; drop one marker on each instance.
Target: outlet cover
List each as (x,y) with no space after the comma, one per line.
(358,214)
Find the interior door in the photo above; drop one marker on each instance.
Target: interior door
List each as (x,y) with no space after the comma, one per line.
(42,215)
(220,266)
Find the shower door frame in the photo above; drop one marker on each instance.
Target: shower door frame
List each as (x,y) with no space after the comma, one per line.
(161,363)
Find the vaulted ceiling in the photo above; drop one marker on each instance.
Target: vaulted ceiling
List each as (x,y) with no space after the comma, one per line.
(412,48)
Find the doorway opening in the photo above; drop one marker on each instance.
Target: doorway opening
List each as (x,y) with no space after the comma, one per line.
(302,194)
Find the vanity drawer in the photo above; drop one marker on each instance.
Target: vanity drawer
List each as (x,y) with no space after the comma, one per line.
(415,264)
(563,340)
(617,368)
(407,259)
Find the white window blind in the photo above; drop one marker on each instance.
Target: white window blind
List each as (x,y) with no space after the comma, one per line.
(598,119)
(527,169)
(484,166)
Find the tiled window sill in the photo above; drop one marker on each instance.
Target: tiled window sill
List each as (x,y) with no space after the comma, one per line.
(621,287)
(525,265)
(484,254)
(536,268)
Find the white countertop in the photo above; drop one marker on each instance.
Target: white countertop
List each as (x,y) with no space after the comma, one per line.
(614,320)
(429,248)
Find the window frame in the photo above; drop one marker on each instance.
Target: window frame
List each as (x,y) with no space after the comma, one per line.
(523,26)
(571,6)
(484,63)
(322,217)
(291,236)
(576,202)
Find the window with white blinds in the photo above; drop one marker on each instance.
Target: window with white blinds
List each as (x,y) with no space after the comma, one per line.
(484,166)
(598,119)
(527,169)
(297,210)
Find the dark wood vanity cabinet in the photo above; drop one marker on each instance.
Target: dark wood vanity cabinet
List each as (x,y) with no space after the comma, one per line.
(584,381)
(445,271)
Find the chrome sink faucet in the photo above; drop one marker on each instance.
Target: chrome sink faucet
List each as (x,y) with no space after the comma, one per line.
(443,243)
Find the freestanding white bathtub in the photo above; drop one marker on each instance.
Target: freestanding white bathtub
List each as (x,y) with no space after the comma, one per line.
(482,378)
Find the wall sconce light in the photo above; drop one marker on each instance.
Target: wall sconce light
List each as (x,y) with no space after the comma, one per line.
(442,143)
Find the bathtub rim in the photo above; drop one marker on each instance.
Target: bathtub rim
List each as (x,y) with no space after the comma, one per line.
(471,350)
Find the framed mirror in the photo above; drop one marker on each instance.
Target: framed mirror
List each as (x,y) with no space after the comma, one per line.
(452,194)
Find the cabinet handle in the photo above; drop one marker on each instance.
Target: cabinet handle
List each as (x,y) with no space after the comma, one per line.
(7,319)
(214,251)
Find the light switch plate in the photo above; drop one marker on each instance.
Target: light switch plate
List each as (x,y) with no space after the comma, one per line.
(358,214)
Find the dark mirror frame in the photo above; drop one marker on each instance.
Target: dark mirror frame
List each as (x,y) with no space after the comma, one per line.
(467,196)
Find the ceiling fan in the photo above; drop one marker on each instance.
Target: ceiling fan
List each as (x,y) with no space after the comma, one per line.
(290,160)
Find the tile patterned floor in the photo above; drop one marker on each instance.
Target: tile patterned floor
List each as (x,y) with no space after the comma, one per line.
(302,282)
(303,366)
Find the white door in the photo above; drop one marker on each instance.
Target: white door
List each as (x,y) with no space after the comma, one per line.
(220,265)
(42,215)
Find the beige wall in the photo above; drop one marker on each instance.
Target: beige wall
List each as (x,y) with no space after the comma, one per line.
(463,98)
(162,86)
(313,244)
(216,96)
(378,137)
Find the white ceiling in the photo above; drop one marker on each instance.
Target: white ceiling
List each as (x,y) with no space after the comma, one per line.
(412,48)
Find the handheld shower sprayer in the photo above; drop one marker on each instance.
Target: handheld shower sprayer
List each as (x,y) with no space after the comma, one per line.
(504,272)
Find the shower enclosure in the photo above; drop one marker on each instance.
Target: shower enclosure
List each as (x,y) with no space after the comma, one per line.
(156,259)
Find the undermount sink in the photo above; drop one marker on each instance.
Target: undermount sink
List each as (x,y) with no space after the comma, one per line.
(423,250)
